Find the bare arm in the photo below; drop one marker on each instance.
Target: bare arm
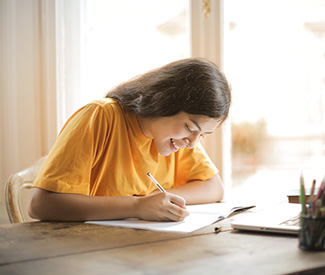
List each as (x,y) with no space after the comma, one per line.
(196,192)
(51,206)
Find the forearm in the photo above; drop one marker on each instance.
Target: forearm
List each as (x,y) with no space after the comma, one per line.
(51,206)
(196,192)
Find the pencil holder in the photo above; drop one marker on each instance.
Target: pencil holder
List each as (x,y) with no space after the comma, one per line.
(312,233)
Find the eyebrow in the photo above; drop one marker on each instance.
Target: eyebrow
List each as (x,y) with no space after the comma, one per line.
(197,124)
(199,127)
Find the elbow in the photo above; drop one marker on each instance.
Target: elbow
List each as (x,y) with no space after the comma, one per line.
(36,205)
(220,193)
(33,208)
(32,213)
(218,188)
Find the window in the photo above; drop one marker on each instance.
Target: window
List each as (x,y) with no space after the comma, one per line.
(125,38)
(103,43)
(274,59)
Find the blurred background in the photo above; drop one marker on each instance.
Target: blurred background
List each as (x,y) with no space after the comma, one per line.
(58,55)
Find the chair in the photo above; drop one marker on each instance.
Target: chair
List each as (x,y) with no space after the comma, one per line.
(14,191)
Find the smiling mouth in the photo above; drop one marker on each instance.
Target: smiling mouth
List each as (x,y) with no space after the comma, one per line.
(174,144)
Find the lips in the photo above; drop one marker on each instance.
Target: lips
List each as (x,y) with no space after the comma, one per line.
(174,144)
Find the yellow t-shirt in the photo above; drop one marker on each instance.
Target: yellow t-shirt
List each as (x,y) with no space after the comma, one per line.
(101,151)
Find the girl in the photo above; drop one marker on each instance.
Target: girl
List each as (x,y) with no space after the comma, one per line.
(97,169)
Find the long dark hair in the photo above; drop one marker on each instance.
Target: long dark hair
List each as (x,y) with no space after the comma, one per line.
(192,85)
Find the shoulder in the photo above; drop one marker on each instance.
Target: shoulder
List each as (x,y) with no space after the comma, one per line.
(96,112)
(108,106)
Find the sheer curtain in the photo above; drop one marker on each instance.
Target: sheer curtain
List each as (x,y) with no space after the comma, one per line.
(27,83)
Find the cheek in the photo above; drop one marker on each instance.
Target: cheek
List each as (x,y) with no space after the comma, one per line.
(171,130)
(178,132)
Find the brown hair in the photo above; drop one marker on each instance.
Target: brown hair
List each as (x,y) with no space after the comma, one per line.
(192,85)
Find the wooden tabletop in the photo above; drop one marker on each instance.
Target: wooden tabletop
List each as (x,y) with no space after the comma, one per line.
(78,248)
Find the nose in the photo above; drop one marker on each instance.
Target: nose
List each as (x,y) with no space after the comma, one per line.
(191,141)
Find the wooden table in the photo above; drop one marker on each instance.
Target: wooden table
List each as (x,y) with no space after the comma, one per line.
(78,248)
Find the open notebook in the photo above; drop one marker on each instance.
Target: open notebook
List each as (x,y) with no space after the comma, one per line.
(283,218)
(200,216)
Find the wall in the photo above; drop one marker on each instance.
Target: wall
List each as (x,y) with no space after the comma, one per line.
(27,83)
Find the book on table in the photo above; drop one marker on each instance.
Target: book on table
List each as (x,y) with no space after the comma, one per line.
(201,215)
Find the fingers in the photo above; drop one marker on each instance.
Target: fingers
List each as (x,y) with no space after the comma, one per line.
(175,207)
(161,207)
(177,200)
(176,213)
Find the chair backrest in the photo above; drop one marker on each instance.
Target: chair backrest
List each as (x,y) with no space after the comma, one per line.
(14,190)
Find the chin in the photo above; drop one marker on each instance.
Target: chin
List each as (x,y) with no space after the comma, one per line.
(165,154)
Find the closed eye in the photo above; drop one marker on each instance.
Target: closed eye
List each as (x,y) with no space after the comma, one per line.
(188,129)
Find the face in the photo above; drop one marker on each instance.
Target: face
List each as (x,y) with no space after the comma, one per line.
(179,131)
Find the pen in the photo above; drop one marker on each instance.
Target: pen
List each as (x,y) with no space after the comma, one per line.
(156,182)
(318,209)
(311,205)
(321,190)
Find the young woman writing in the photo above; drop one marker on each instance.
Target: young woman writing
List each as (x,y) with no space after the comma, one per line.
(97,169)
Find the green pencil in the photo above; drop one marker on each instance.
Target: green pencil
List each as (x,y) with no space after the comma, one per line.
(302,195)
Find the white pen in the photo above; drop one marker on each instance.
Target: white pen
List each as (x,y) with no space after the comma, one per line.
(156,182)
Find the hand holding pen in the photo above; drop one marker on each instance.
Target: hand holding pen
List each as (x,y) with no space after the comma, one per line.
(164,206)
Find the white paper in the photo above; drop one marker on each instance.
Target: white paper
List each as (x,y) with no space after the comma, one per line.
(200,216)
(191,223)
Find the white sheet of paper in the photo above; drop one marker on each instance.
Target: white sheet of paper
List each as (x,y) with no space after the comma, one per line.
(200,216)
(191,223)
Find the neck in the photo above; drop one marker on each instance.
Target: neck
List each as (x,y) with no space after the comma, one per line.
(145,125)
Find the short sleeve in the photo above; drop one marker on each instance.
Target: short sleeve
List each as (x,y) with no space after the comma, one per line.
(79,145)
(193,164)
